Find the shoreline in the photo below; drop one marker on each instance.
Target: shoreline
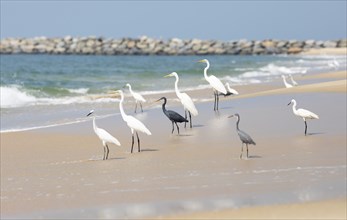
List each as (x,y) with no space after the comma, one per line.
(319,82)
(61,169)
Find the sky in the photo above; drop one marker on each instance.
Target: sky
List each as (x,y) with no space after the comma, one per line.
(218,20)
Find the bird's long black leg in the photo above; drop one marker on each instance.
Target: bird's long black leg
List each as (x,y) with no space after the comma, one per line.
(215,99)
(247,150)
(241,151)
(178,130)
(107,152)
(141,107)
(138,142)
(135,107)
(185,116)
(132,144)
(173,128)
(104,153)
(190,119)
(305,128)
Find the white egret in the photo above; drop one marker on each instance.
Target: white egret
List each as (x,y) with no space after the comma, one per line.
(216,84)
(104,136)
(137,96)
(305,114)
(185,99)
(287,85)
(293,81)
(230,91)
(244,137)
(334,64)
(134,124)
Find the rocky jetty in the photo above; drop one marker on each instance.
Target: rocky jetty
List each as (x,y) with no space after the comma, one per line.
(149,46)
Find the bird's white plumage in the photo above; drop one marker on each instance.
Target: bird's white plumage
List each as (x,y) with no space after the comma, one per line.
(103,135)
(136,125)
(137,96)
(185,99)
(216,84)
(214,81)
(231,90)
(188,103)
(303,113)
(286,84)
(106,137)
(132,122)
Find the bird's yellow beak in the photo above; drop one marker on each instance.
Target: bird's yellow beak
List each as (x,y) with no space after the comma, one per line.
(201,61)
(168,75)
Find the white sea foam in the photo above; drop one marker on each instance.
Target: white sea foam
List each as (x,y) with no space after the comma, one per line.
(15,96)
(11,96)
(79,90)
(272,70)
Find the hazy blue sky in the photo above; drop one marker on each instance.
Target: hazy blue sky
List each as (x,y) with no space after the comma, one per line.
(223,20)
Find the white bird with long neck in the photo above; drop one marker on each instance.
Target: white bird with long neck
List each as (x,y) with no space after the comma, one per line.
(185,99)
(216,84)
(134,124)
(104,136)
(303,113)
(287,85)
(137,96)
(230,91)
(293,81)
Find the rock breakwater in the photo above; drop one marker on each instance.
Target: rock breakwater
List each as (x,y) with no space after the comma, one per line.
(149,46)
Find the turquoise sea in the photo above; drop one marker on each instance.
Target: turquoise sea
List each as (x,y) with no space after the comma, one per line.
(48,90)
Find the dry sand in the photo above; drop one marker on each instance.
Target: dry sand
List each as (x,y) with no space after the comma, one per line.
(326,51)
(58,172)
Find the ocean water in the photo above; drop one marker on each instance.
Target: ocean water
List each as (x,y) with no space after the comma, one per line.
(49,90)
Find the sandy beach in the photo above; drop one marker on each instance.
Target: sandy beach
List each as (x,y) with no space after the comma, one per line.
(59,172)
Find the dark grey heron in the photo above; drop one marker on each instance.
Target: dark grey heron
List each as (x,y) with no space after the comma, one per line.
(244,137)
(173,116)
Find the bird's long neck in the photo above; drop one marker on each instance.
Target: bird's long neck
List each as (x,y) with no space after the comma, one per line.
(176,87)
(285,81)
(237,123)
(205,70)
(130,89)
(228,87)
(294,107)
(94,124)
(163,106)
(121,107)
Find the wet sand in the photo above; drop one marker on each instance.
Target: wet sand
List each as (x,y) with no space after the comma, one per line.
(58,172)
(330,209)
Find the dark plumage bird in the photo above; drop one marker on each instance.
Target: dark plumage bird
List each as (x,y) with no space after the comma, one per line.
(173,116)
(244,137)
